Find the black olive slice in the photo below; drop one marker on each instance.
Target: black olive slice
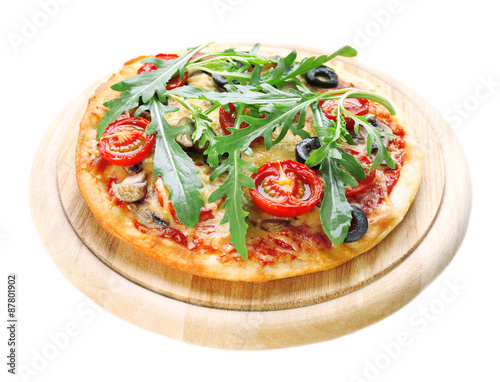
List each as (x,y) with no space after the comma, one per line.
(305,148)
(316,77)
(359,225)
(221,81)
(373,122)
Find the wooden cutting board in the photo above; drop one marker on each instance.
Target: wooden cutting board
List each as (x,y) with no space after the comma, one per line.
(244,315)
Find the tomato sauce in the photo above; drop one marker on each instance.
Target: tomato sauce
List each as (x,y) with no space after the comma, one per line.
(269,251)
(166,233)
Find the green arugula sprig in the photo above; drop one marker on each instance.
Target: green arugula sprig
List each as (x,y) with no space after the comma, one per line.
(179,173)
(231,189)
(271,110)
(339,168)
(143,87)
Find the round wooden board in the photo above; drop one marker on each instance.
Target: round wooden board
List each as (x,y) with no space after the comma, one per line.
(320,313)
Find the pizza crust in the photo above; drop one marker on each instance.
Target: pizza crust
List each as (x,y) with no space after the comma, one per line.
(122,225)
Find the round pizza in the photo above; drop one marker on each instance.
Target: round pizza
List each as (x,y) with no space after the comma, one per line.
(245,165)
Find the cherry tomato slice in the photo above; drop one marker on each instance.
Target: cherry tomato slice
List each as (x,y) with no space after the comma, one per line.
(176,81)
(286,188)
(125,142)
(362,183)
(356,106)
(227,119)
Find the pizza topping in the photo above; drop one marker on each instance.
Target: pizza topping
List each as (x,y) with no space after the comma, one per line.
(359,225)
(175,81)
(146,217)
(355,106)
(184,139)
(132,189)
(323,77)
(286,188)
(227,119)
(125,142)
(271,114)
(383,127)
(305,148)
(367,179)
(135,169)
(222,81)
(274,224)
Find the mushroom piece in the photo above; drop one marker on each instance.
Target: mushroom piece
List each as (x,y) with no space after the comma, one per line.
(132,189)
(144,215)
(134,169)
(381,126)
(274,224)
(184,139)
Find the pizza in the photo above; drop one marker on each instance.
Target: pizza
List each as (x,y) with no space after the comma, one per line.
(245,165)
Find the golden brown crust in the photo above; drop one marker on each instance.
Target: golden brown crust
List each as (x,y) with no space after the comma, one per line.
(122,225)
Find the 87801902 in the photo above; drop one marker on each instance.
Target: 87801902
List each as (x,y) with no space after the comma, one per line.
(11,296)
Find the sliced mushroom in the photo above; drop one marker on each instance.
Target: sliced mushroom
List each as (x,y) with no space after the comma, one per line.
(145,216)
(383,127)
(379,125)
(132,189)
(135,169)
(274,224)
(184,139)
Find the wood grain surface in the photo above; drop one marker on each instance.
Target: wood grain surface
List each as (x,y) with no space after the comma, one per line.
(326,304)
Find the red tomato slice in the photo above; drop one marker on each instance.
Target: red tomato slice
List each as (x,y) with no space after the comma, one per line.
(125,142)
(162,192)
(176,81)
(286,188)
(227,119)
(362,183)
(356,106)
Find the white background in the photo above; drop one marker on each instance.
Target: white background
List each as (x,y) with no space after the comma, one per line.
(445,50)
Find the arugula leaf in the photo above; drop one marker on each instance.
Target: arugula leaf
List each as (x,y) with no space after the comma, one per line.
(276,115)
(143,87)
(375,134)
(238,93)
(117,106)
(287,69)
(201,121)
(351,164)
(235,200)
(335,211)
(357,93)
(232,65)
(178,172)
